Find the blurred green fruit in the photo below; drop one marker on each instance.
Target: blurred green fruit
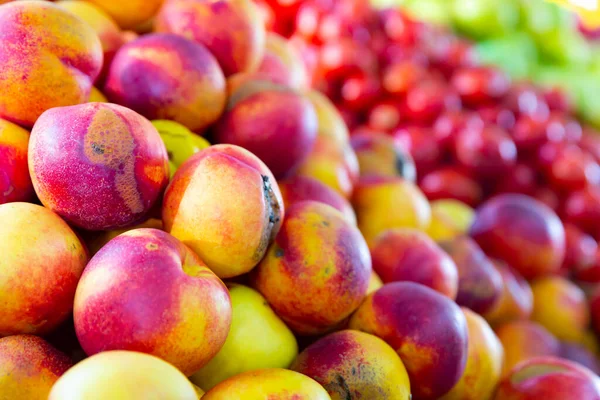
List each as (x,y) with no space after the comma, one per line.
(516,54)
(485,18)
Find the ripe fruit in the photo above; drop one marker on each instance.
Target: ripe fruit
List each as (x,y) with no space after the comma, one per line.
(317,271)
(410,255)
(123,375)
(521,231)
(29,366)
(15,182)
(353,364)
(383,203)
(427,329)
(275,123)
(63,58)
(268,383)
(224,204)
(147,274)
(42,260)
(186,86)
(99,166)
(231,29)
(257,339)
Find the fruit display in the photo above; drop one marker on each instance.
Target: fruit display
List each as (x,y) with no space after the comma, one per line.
(291,200)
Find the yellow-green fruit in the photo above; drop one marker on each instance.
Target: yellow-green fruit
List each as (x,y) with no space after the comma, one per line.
(449,219)
(257,339)
(181,143)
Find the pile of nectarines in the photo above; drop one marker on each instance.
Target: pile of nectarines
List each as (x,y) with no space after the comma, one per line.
(379,217)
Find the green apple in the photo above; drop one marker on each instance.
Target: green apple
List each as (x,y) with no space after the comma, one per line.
(257,339)
(181,143)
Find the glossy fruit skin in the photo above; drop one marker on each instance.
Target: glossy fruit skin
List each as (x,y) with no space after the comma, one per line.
(42,262)
(488,153)
(334,359)
(224,181)
(301,188)
(379,154)
(72,149)
(50,57)
(272,383)
(15,182)
(253,320)
(512,227)
(450,183)
(383,203)
(430,347)
(478,85)
(523,340)
(231,29)
(317,271)
(30,366)
(479,283)
(549,378)
(123,375)
(516,300)
(561,307)
(484,362)
(410,255)
(187,86)
(133,267)
(275,123)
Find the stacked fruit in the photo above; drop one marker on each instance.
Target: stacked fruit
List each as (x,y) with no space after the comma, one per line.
(289,260)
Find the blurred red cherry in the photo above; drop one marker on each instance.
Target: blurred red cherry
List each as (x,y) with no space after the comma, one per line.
(341,58)
(449,183)
(567,167)
(450,123)
(398,78)
(580,249)
(385,115)
(359,91)
(524,99)
(590,141)
(590,273)
(521,178)
(487,152)
(547,196)
(558,100)
(449,53)
(582,208)
(528,133)
(420,143)
(427,100)
(479,85)
(497,115)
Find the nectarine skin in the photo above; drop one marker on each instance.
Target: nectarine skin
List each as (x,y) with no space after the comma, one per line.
(49,57)
(428,330)
(353,364)
(275,383)
(100,166)
(275,123)
(15,183)
(549,378)
(225,204)
(29,366)
(410,255)
(301,188)
(165,76)
(145,291)
(521,231)
(42,260)
(231,29)
(317,271)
